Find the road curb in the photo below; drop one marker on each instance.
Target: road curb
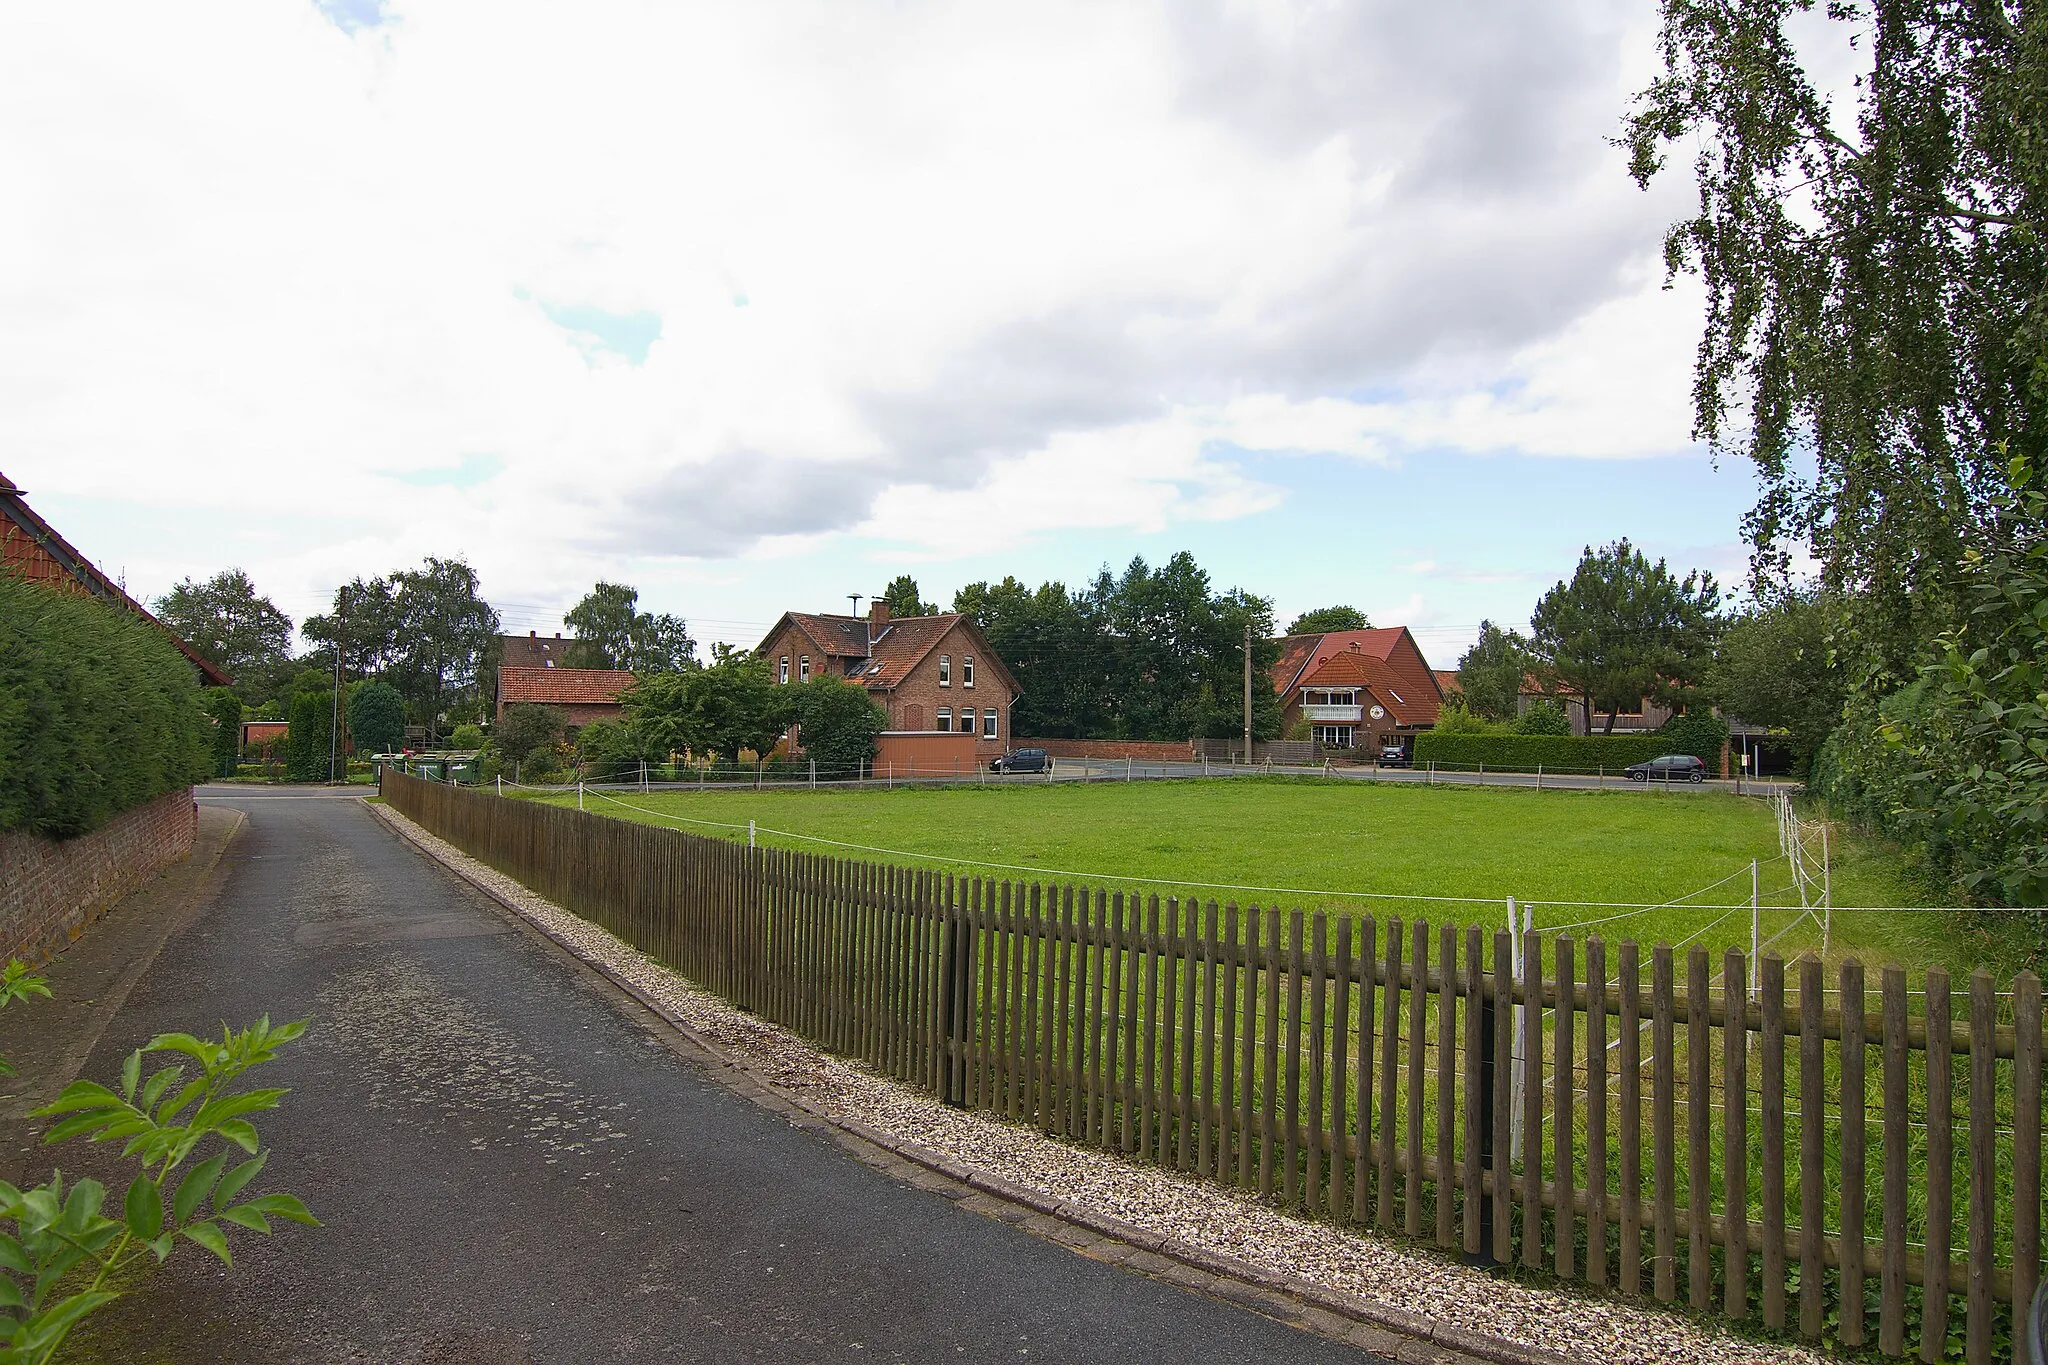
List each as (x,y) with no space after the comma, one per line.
(1273,1293)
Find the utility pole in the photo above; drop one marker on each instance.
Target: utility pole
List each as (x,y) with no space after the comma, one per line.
(1247,689)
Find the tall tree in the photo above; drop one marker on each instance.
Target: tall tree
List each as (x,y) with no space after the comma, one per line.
(1876,274)
(1877,310)
(1057,650)
(232,624)
(1623,629)
(901,597)
(731,706)
(365,621)
(839,724)
(1325,619)
(1491,673)
(612,632)
(1777,667)
(445,634)
(1147,654)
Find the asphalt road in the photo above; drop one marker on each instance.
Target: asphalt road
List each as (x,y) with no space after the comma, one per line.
(511,1167)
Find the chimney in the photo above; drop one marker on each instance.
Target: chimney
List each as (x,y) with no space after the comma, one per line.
(878,614)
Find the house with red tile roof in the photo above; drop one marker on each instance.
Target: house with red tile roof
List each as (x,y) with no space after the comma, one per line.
(1357,689)
(31,549)
(584,694)
(934,676)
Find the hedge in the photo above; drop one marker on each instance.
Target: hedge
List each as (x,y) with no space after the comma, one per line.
(1523,753)
(99,712)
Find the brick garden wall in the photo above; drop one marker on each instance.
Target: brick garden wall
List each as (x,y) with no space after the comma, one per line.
(1143,750)
(51,890)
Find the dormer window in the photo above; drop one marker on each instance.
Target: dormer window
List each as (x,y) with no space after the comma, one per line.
(945,671)
(967,670)
(784,676)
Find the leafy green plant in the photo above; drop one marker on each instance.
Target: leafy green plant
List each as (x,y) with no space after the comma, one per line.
(1558,753)
(1544,717)
(99,712)
(62,1256)
(1698,733)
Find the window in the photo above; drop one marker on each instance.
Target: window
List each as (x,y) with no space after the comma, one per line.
(804,665)
(967,670)
(988,723)
(945,671)
(945,718)
(785,669)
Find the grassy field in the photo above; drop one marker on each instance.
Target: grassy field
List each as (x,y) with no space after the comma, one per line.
(1308,843)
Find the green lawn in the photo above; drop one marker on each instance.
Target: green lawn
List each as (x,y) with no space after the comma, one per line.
(1296,838)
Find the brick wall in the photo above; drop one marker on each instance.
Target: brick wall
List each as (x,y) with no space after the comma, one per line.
(1143,750)
(915,702)
(50,891)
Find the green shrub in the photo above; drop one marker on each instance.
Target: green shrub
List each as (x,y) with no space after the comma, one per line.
(528,727)
(467,737)
(376,717)
(1544,717)
(226,709)
(1523,753)
(1698,733)
(99,712)
(1454,719)
(307,744)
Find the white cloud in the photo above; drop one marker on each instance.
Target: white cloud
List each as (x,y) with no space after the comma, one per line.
(912,268)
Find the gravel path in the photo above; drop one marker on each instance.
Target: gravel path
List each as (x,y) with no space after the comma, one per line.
(1221,1220)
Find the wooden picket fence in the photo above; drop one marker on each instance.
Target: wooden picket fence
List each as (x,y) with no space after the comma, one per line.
(1828,1168)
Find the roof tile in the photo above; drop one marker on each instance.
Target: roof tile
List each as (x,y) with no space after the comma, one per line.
(563,686)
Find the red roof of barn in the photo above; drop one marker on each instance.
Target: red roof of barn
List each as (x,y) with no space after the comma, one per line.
(563,686)
(31,549)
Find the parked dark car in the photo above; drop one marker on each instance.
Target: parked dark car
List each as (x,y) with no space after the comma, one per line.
(1393,756)
(1668,768)
(1020,761)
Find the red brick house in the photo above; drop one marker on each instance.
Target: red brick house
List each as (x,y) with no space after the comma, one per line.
(1357,689)
(30,549)
(584,694)
(934,675)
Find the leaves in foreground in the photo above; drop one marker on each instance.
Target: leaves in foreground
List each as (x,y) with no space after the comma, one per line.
(62,1249)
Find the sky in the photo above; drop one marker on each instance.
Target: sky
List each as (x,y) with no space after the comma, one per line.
(757,305)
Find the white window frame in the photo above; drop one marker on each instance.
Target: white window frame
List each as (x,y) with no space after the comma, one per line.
(945,670)
(943,723)
(967,670)
(804,669)
(988,723)
(784,679)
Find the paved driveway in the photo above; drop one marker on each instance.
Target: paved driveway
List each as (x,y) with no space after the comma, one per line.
(513,1168)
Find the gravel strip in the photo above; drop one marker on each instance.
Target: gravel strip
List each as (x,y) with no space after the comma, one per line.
(1398,1276)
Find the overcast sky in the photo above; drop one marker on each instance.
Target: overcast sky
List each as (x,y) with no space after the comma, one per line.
(756,305)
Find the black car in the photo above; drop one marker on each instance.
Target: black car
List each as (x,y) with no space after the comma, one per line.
(1668,768)
(1393,756)
(1020,761)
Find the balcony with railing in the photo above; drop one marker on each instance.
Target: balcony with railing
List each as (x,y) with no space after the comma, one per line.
(1352,714)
